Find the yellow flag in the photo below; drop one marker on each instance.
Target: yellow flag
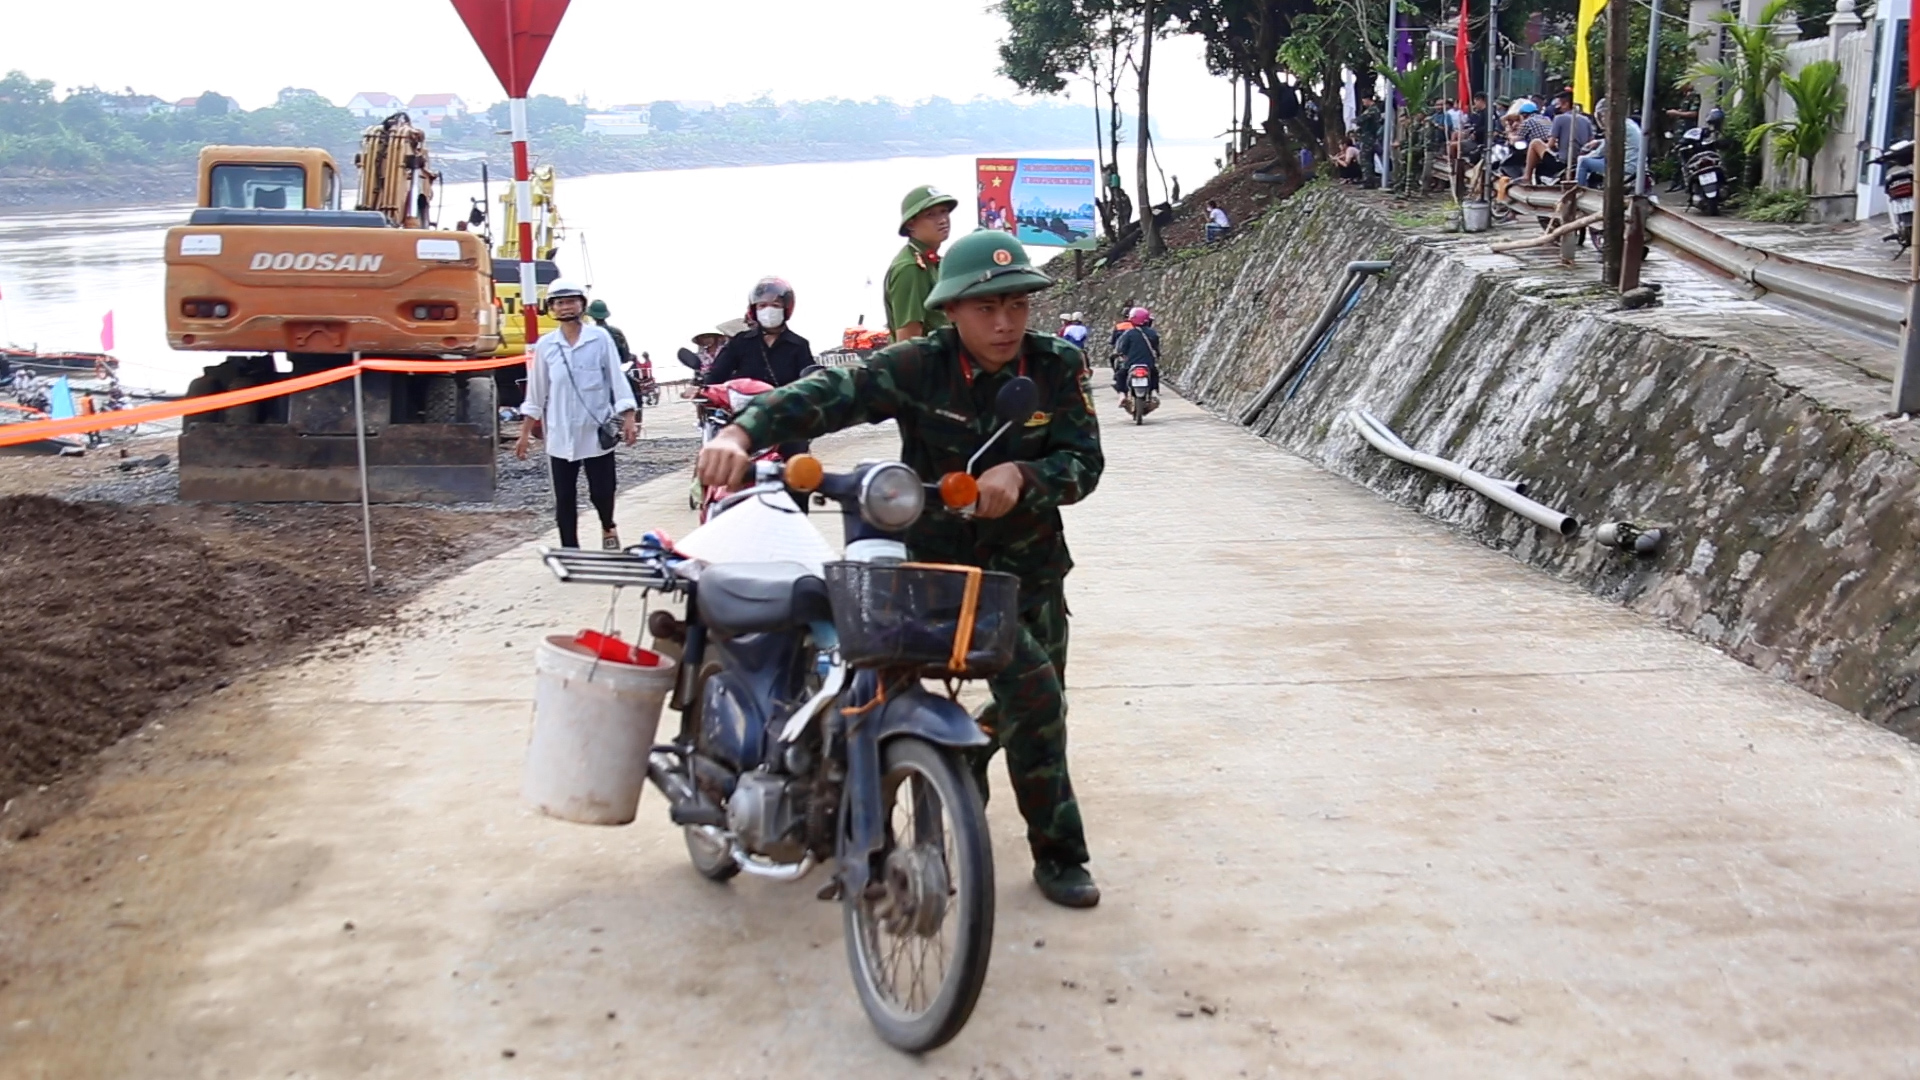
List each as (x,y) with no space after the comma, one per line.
(1582,80)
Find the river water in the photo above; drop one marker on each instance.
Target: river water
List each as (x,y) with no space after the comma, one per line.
(672,253)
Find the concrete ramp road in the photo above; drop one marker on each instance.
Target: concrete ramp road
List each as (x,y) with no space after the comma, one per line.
(1366,800)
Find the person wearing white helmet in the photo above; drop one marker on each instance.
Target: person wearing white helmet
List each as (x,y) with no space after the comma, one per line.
(580,405)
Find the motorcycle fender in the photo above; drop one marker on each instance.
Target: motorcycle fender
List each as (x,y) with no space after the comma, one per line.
(915,712)
(936,719)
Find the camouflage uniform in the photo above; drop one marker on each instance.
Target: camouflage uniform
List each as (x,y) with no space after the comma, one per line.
(943,404)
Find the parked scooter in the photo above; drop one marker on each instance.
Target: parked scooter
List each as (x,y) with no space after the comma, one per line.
(807,733)
(1896,179)
(1701,169)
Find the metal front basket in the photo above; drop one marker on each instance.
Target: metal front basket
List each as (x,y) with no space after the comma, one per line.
(913,615)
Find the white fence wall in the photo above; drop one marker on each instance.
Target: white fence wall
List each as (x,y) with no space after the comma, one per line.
(1836,170)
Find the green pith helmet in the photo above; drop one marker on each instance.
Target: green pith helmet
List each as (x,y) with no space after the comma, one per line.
(597,309)
(985,263)
(923,198)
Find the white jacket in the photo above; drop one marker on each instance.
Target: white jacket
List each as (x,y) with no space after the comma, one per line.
(573,389)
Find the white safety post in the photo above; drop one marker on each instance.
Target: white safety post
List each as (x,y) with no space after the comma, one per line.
(360,437)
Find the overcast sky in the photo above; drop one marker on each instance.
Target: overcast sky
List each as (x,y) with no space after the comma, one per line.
(613,51)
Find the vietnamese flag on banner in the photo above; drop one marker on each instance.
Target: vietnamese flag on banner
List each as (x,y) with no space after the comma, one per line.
(993,178)
(1460,59)
(106,332)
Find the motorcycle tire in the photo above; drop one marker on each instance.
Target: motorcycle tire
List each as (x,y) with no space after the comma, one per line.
(652,399)
(1139,411)
(1710,207)
(946,810)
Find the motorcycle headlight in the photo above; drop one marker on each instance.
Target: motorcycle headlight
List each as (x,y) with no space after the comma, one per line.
(891,497)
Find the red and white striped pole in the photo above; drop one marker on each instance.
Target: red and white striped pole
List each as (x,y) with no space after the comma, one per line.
(514,35)
(523,207)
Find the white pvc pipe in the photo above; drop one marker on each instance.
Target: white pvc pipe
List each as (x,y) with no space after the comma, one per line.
(1382,438)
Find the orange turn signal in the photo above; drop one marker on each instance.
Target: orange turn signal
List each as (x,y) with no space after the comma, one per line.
(957,489)
(804,472)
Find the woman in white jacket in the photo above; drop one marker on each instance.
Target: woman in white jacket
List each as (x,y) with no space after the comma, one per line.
(574,391)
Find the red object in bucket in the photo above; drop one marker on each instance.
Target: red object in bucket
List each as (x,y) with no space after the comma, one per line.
(608,647)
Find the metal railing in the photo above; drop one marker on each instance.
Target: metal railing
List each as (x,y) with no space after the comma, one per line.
(1872,305)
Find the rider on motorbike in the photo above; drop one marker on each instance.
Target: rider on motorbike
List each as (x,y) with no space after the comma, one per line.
(941,390)
(1140,345)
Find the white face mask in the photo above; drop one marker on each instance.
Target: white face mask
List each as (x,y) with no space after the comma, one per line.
(770,317)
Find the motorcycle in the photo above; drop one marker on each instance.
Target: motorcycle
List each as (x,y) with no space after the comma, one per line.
(807,733)
(639,373)
(1702,172)
(716,407)
(1896,179)
(1140,399)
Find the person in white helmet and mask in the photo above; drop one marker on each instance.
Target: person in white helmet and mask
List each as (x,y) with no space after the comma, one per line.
(581,406)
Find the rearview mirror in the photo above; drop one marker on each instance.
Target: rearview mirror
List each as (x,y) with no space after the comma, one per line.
(1016,400)
(689,358)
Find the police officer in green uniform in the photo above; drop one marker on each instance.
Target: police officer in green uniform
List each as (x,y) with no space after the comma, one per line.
(940,389)
(926,218)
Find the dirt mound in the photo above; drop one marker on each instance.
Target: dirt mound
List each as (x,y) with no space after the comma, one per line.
(109,613)
(1239,194)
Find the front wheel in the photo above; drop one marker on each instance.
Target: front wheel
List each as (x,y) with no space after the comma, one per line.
(920,936)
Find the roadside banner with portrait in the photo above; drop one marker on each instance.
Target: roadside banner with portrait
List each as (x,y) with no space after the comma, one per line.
(1043,201)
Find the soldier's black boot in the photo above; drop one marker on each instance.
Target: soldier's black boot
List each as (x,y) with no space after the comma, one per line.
(1066,884)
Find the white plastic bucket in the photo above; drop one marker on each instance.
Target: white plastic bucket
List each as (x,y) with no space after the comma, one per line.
(593,725)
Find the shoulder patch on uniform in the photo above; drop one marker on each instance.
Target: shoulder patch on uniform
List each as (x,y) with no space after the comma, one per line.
(1039,419)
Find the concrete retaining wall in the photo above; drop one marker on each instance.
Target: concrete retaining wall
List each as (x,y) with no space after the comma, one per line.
(1795,525)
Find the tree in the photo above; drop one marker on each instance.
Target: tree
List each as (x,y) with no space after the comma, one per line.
(1151,227)
(1819,103)
(544,113)
(1421,85)
(665,117)
(1754,66)
(212,104)
(1052,41)
(1243,38)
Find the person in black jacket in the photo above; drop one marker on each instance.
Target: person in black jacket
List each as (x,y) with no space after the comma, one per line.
(769,350)
(1138,345)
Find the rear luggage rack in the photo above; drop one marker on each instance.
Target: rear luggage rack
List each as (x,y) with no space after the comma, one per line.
(617,568)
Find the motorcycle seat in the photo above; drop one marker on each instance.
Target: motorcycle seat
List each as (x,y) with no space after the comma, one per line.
(759,598)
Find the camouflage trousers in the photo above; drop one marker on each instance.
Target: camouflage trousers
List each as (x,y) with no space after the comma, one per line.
(1028,719)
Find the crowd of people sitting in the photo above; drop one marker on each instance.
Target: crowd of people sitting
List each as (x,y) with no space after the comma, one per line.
(1535,141)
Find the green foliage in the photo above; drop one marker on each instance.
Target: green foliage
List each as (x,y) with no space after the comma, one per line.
(77,134)
(1819,102)
(1780,206)
(1756,62)
(665,117)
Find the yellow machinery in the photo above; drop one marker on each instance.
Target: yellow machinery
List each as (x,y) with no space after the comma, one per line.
(548,231)
(268,263)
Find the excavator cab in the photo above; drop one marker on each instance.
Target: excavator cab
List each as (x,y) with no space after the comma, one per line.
(268,178)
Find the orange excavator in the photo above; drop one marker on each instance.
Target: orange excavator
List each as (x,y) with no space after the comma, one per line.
(269,265)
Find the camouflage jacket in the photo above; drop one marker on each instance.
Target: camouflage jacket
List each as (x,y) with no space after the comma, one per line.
(943,404)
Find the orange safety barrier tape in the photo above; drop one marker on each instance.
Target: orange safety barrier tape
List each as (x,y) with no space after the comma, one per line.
(35,430)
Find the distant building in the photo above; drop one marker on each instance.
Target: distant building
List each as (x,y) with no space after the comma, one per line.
(620,124)
(133,105)
(694,106)
(192,104)
(431,111)
(374,105)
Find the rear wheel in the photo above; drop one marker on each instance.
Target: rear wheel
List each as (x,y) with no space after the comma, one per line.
(442,400)
(1139,410)
(920,936)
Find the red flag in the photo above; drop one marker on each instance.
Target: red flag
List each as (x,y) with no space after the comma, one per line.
(1913,59)
(513,35)
(106,332)
(1460,59)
